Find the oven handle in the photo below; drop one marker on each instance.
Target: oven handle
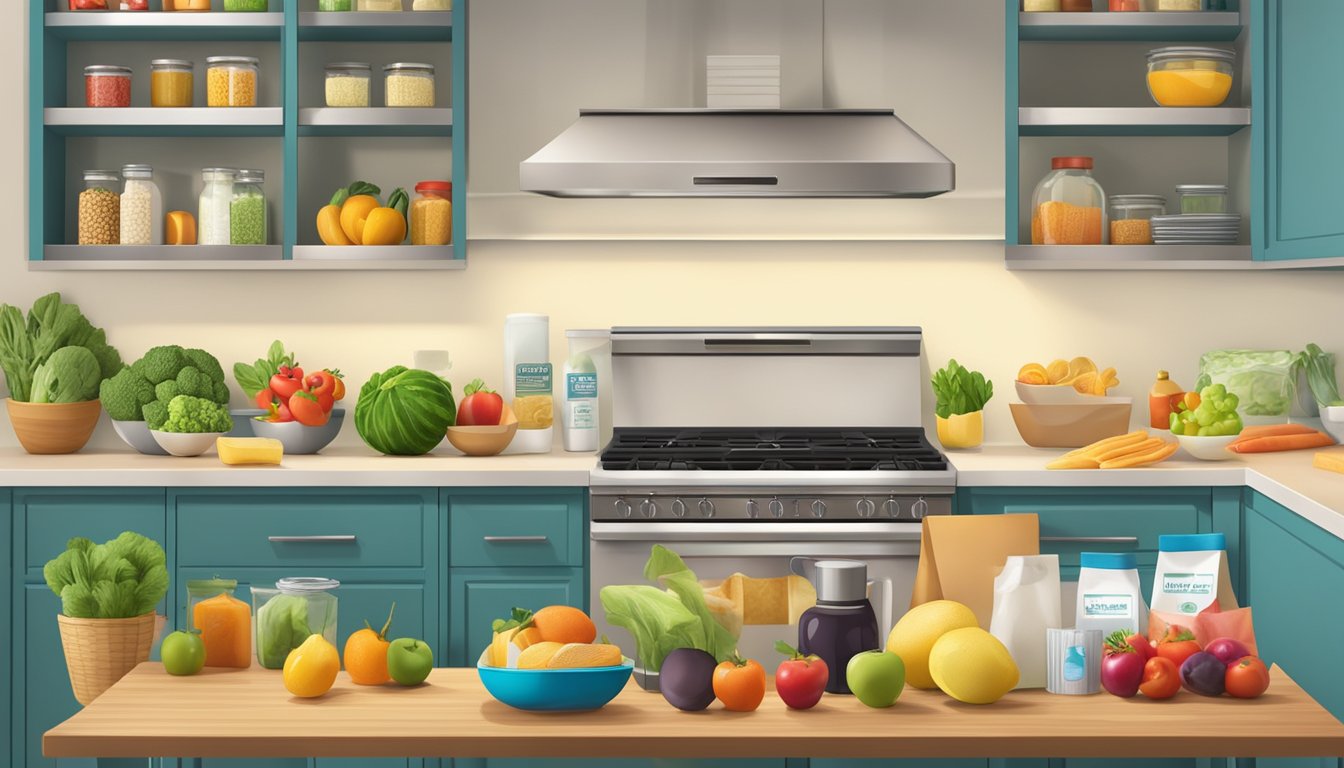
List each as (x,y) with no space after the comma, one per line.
(755,532)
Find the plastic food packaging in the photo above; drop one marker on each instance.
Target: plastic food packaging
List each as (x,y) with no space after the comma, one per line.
(1192,575)
(528,381)
(1190,76)
(1131,218)
(1026,604)
(1068,206)
(298,607)
(1264,381)
(1109,595)
(1073,662)
(170,83)
(580,391)
(107,85)
(432,213)
(224,621)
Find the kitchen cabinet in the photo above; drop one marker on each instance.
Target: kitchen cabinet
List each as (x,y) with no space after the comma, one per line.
(620,763)
(897,763)
(477,596)
(7,658)
(517,527)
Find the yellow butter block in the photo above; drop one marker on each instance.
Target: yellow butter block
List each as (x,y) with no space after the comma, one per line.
(1333,462)
(249,450)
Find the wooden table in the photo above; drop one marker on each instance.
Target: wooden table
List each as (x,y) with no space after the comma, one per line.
(247,713)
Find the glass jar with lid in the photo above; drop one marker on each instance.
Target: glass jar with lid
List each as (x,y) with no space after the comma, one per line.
(1040,6)
(231,81)
(141,207)
(348,84)
(1068,206)
(249,6)
(212,216)
(1131,218)
(335,5)
(1075,5)
(1190,76)
(378,5)
(1202,198)
(297,607)
(247,212)
(432,213)
(170,83)
(186,5)
(99,209)
(107,85)
(408,84)
(432,5)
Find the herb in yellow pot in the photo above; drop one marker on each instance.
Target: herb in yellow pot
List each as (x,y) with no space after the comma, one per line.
(961,395)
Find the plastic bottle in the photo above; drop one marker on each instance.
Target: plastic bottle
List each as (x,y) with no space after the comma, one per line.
(1162,399)
(580,398)
(527,381)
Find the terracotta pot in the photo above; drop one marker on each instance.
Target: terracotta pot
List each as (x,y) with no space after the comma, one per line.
(99,652)
(53,427)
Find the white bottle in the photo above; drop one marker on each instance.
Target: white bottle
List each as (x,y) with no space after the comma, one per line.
(527,381)
(580,393)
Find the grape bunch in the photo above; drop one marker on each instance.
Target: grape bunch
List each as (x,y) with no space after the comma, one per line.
(1211,412)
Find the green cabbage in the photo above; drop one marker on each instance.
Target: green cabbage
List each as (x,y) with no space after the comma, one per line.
(282,626)
(121,579)
(404,411)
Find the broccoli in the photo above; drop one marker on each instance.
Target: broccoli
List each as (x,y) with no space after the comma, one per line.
(196,414)
(221,393)
(155,413)
(161,363)
(169,373)
(166,390)
(205,363)
(125,394)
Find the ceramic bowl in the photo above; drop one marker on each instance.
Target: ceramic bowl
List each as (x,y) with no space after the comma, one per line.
(242,421)
(51,428)
(554,690)
(1069,425)
(298,439)
(485,441)
(1333,413)
(1334,428)
(185,443)
(136,434)
(1207,448)
(1062,394)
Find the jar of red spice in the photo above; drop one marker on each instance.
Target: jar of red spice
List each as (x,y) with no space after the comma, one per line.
(1075,5)
(135,5)
(107,85)
(88,5)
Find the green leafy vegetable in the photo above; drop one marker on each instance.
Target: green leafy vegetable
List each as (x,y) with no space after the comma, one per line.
(257,376)
(282,626)
(1319,366)
(960,391)
(404,411)
(27,345)
(1263,381)
(195,415)
(124,395)
(70,375)
(121,579)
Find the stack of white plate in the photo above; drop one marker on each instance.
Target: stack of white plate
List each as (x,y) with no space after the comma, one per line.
(742,82)
(1197,229)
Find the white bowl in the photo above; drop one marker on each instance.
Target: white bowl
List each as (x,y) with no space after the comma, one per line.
(136,434)
(1333,413)
(1063,394)
(1207,448)
(1334,429)
(185,443)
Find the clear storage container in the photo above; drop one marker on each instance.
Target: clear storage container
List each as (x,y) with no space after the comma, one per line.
(223,621)
(335,5)
(107,85)
(141,207)
(347,84)
(212,218)
(378,5)
(432,5)
(1190,76)
(409,84)
(1069,206)
(298,607)
(88,5)
(1180,5)
(1203,198)
(1077,6)
(100,209)
(247,212)
(170,83)
(432,213)
(186,5)
(249,6)
(231,81)
(1131,218)
(1040,6)
(1133,5)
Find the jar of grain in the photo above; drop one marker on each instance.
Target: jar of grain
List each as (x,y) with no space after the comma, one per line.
(248,6)
(100,209)
(407,84)
(432,5)
(1069,206)
(141,207)
(378,5)
(107,85)
(334,5)
(186,5)
(1131,218)
(231,81)
(348,84)
(212,217)
(247,212)
(170,83)
(432,213)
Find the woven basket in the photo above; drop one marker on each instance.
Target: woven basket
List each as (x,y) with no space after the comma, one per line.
(99,652)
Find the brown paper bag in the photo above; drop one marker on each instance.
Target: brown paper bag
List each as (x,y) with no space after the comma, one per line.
(959,556)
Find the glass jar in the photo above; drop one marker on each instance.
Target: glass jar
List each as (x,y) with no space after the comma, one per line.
(250,6)
(299,606)
(141,207)
(1202,198)
(223,621)
(348,84)
(1076,6)
(1133,5)
(1040,6)
(1190,76)
(432,5)
(1069,206)
(186,5)
(231,81)
(100,209)
(378,5)
(107,85)
(1131,218)
(334,5)
(1179,5)
(432,213)
(408,84)
(135,5)
(247,212)
(212,215)
(170,83)
(88,5)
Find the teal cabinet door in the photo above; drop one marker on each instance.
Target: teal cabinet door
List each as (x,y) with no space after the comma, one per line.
(517,527)
(1295,172)
(478,596)
(619,763)
(899,763)
(6,626)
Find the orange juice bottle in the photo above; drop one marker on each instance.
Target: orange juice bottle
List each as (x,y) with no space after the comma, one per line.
(1162,400)
(224,621)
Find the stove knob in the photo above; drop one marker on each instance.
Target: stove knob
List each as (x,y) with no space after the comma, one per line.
(706,508)
(648,508)
(919,509)
(818,508)
(623,508)
(865,507)
(891,508)
(678,508)
(753,509)
(776,508)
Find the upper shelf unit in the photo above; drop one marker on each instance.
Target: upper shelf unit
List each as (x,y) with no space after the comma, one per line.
(1155,27)
(370,26)
(1132,121)
(158,26)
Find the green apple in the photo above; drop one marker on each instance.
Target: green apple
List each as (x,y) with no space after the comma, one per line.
(183,653)
(409,660)
(876,677)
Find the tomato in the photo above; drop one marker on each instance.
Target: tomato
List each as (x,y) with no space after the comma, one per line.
(481,407)
(322,385)
(265,397)
(278,412)
(338,391)
(1161,678)
(307,410)
(1247,678)
(286,382)
(740,684)
(800,680)
(1178,645)
(1141,645)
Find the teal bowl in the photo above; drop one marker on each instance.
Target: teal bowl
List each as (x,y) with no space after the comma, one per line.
(555,690)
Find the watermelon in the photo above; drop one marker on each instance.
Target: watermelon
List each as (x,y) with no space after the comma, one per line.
(404,411)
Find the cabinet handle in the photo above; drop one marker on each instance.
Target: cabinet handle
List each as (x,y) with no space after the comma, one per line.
(337,539)
(515,539)
(1092,539)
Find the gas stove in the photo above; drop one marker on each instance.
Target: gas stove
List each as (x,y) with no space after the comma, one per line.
(772,450)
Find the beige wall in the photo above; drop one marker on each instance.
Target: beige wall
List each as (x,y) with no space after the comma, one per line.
(970,307)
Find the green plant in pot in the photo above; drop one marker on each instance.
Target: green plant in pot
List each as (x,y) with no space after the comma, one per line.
(961,396)
(53,361)
(108,593)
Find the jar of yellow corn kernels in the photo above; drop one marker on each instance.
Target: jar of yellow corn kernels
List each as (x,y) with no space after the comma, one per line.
(408,84)
(1131,218)
(231,81)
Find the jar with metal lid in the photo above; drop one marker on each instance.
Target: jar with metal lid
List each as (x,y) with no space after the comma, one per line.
(432,5)
(432,213)
(348,84)
(378,5)
(247,212)
(186,5)
(1077,6)
(1202,198)
(1131,218)
(212,216)
(250,6)
(100,209)
(231,81)
(297,607)
(170,82)
(335,5)
(107,85)
(1190,76)
(408,84)
(1068,206)
(141,207)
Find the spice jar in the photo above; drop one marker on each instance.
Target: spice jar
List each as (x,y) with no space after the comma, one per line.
(1131,218)
(407,84)
(107,85)
(1068,207)
(432,5)
(432,213)
(348,84)
(231,81)
(299,606)
(141,207)
(170,83)
(333,5)
(1075,5)
(247,212)
(100,209)
(212,217)
(1202,198)
(378,5)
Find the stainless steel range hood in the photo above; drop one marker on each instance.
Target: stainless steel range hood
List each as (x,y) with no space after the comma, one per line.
(738,153)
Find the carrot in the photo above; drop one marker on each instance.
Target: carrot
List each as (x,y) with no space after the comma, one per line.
(1282,443)
(1272,430)
(1141,460)
(1101,446)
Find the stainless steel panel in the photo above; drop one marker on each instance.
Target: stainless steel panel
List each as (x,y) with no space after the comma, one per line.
(807,510)
(773,538)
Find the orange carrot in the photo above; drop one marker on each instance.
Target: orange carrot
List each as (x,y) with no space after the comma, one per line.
(1271,430)
(1282,443)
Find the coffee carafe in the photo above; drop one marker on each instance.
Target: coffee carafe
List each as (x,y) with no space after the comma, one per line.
(842,623)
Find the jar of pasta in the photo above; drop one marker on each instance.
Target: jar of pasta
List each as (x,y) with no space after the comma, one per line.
(141,207)
(100,209)
(170,83)
(1131,218)
(1069,206)
(348,84)
(408,84)
(432,213)
(231,81)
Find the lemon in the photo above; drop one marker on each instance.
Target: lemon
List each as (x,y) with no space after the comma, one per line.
(310,670)
(914,635)
(971,665)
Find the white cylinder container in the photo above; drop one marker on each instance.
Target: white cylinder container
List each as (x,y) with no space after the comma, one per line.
(528,381)
(212,219)
(141,207)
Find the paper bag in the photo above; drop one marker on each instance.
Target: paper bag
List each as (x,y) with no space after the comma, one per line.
(741,599)
(1026,604)
(959,556)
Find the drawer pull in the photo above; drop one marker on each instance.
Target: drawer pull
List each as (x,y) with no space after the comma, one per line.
(515,539)
(337,539)
(1092,539)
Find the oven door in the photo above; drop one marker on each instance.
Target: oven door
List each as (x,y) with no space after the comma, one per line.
(715,551)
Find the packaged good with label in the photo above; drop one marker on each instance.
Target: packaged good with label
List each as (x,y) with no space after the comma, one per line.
(580,393)
(1109,595)
(527,381)
(1192,575)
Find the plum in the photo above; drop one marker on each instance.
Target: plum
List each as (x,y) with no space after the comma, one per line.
(686,679)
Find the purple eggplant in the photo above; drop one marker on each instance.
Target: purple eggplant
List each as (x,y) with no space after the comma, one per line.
(1228,650)
(686,679)
(1205,674)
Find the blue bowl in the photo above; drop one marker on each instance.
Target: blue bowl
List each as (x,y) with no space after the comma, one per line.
(555,690)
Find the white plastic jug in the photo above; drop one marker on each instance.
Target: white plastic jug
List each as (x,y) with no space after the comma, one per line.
(1026,604)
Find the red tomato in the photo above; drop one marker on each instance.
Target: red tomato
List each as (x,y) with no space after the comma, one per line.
(286,382)
(265,397)
(740,684)
(1141,645)
(1247,678)
(1178,645)
(1161,678)
(307,410)
(323,386)
(481,407)
(800,680)
(278,412)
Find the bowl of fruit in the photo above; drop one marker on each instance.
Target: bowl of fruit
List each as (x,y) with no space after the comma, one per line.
(298,407)
(1067,382)
(485,425)
(300,439)
(1205,423)
(548,662)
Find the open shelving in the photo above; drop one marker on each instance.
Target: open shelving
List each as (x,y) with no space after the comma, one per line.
(1150,27)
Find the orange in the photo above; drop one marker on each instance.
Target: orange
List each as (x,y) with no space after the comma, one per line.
(310,670)
(564,624)
(366,654)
